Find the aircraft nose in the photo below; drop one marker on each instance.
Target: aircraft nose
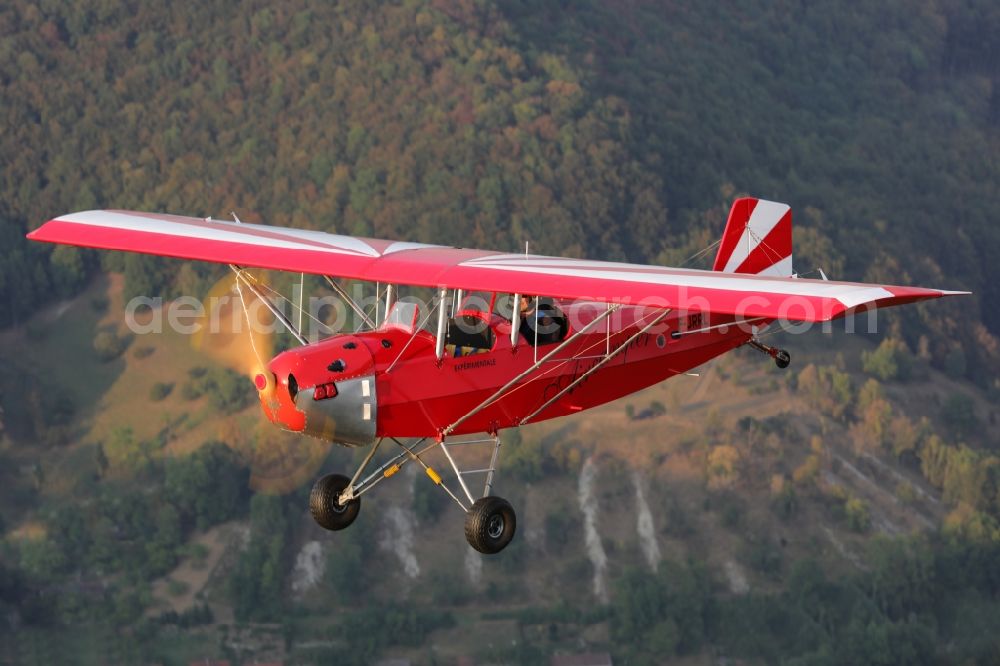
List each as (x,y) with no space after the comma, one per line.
(264,381)
(277,387)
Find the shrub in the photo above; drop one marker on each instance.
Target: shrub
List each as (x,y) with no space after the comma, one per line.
(786,502)
(764,557)
(858,515)
(723,466)
(99,304)
(905,492)
(227,391)
(827,389)
(890,361)
(807,473)
(190,391)
(177,588)
(562,527)
(159,391)
(959,414)
(198,552)
(143,352)
(109,345)
(654,410)
(732,515)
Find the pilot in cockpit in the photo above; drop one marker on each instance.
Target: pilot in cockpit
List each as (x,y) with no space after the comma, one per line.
(541,323)
(527,306)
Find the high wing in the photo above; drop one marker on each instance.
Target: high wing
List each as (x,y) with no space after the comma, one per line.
(315,252)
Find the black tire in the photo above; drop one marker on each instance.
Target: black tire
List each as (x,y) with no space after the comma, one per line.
(782,359)
(490,525)
(323,505)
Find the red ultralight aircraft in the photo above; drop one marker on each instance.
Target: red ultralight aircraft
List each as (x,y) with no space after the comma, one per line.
(604,330)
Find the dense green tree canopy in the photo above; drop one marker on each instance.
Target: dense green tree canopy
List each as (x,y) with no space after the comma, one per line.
(415,120)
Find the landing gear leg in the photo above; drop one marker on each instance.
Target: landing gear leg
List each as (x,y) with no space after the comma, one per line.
(490,521)
(782,358)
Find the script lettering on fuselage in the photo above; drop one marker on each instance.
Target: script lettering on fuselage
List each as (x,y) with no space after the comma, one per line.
(582,366)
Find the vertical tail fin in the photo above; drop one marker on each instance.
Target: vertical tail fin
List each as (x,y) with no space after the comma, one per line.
(757,240)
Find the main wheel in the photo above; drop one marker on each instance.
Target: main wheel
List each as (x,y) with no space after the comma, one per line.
(490,524)
(325,508)
(782,359)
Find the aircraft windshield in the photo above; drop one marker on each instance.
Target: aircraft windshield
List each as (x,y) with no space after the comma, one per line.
(477,301)
(403,315)
(489,302)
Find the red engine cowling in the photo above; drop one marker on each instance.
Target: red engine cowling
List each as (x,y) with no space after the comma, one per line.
(326,390)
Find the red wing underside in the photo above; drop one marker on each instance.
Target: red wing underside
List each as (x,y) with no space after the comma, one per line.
(320,253)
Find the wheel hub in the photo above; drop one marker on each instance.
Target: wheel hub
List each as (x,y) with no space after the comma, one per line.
(495,526)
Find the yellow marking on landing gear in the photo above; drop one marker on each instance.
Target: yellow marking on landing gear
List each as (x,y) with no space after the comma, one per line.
(389,472)
(435,477)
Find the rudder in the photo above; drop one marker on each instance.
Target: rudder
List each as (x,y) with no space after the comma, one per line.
(757,240)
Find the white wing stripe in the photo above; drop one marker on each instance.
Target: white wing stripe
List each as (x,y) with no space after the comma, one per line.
(848,295)
(227,232)
(858,296)
(401,246)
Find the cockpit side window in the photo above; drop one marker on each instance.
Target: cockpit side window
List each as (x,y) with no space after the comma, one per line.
(468,334)
(542,322)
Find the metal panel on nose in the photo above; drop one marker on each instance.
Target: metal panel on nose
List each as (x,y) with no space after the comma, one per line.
(349,418)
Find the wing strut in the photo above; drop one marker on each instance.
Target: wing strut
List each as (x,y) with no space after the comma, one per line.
(278,314)
(503,389)
(350,301)
(597,366)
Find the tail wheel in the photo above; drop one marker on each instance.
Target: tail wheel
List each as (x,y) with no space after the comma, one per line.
(324,505)
(490,525)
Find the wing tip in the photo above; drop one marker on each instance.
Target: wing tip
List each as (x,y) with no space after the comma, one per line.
(36,234)
(42,234)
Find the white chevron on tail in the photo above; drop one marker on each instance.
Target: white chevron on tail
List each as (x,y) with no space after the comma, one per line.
(757,240)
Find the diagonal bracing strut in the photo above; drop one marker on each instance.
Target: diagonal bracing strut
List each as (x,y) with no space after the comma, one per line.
(534,366)
(278,314)
(597,366)
(350,301)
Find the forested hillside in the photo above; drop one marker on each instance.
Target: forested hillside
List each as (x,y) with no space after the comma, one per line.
(413,121)
(845,511)
(880,124)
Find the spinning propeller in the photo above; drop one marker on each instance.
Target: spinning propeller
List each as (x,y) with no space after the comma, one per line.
(240,333)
